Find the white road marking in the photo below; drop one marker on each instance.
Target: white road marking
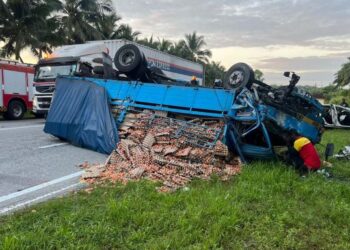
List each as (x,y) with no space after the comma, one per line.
(38,187)
(22,127)
(24,204)
(53,145)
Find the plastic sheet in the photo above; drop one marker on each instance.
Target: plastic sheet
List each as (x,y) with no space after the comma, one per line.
(80,114)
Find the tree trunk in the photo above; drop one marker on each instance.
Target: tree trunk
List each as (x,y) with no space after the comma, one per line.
(20,59)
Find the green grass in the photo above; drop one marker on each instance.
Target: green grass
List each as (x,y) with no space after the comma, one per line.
(340,138)
(28,115)
(267,207)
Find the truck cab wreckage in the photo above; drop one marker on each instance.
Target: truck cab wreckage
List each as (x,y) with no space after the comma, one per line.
(254,115)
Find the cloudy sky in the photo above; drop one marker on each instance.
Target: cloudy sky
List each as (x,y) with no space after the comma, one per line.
(311,37)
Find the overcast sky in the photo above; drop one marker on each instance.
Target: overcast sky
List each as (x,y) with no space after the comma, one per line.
(311,37)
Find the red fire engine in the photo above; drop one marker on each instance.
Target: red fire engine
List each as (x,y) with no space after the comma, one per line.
(16,81)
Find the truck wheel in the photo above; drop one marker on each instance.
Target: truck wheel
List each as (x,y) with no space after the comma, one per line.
(239,76)
(127,58)
(15,110)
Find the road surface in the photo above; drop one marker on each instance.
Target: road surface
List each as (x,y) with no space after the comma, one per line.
(35,166)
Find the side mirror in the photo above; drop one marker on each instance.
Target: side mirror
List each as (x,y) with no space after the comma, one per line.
(286,74)
(329,150)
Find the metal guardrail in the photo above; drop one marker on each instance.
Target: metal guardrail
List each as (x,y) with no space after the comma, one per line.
(14,62)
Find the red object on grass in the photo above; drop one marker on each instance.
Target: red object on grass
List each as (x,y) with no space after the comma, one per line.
(308,153)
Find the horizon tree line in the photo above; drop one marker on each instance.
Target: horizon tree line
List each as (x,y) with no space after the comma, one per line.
(42,25)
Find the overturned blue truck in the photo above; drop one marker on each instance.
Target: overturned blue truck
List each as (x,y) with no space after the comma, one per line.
(256,115)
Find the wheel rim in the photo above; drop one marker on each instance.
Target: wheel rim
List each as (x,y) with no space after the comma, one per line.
(127,57)
(17,110)
(236,78)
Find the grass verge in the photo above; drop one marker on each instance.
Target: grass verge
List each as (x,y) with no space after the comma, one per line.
(267,206)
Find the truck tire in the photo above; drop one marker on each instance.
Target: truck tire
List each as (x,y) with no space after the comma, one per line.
(127,58)
(16,110)
(239,76)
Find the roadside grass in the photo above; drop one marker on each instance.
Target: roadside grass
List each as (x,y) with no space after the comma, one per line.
(267,206)
(340,138)
(29,115)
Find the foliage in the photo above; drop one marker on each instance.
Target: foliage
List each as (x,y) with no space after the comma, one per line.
(164,45)
(149,42)
(343,75)
(337,96)
(331,93)
(267,207)
(259,75)
(79,17)
(43,24)
(25,23)
(180,49)
(195,45)
(317,92)
(126,32)
(213,70)
(107,25)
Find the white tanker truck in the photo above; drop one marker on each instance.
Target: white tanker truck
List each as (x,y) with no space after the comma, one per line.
(110,59)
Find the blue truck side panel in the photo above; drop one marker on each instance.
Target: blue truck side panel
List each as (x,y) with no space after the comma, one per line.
(206,102)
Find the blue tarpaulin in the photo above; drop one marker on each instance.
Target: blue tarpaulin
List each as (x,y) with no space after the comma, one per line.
(80,114)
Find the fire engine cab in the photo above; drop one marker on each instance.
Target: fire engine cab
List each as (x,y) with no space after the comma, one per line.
(16,82)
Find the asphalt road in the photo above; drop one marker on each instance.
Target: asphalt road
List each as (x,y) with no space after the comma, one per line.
(35,166)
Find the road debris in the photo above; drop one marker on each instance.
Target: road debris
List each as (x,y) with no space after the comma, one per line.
(160,149)
(344,153)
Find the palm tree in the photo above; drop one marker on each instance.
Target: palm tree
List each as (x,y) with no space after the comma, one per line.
(125,32)
(180,49)
(195,44)
(343,75)
(213,70)
(47,39)
(23,24)
(79,18)
(4,10)
(259,75)
(149,42)
(164,45)
(107,26)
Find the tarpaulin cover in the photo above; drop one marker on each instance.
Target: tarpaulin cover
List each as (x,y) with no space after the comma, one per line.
(80,114)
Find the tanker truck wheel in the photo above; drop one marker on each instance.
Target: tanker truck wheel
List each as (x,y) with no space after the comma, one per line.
(127,58)
(239,76)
